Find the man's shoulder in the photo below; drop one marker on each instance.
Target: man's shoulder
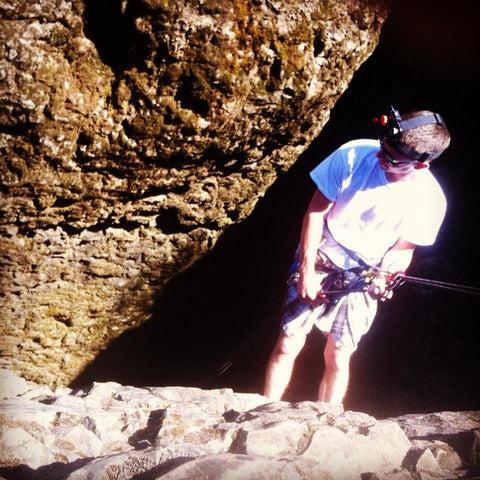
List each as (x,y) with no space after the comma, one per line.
(367,143)
(360,154)
(355,158)
(426,177)
(427,186)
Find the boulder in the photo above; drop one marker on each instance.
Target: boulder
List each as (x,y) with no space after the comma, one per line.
(132,134)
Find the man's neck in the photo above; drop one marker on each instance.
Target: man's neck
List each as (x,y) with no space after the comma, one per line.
(400,177)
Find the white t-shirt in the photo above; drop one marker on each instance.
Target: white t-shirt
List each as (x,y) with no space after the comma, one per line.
(370,213)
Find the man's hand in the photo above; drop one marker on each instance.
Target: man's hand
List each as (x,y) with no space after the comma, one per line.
(309,287)
(379,288)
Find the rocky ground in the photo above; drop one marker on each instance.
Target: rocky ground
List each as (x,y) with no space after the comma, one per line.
(119,432)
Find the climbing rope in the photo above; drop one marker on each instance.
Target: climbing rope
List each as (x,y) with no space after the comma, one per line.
(456,287)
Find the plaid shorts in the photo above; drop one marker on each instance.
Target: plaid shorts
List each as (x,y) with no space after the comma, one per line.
(346,320)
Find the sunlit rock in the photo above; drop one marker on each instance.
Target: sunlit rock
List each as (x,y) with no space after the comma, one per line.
(112,431)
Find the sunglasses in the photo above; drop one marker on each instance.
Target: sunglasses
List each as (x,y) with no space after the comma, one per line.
(390,160)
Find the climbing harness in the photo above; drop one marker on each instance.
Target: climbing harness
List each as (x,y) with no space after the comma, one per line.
(339,282)
(394,280)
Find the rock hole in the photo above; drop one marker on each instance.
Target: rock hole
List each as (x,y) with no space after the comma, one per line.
(276,69)
(112,31)
(318,45)
(189,96)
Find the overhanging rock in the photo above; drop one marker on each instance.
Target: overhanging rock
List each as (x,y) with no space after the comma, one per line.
(132,137)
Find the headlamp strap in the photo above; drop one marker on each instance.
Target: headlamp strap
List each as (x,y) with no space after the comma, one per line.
(410,124)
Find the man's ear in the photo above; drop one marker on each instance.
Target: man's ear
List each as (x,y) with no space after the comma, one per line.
(419,165)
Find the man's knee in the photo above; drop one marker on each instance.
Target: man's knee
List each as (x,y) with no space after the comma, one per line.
(289,345)
(336,359)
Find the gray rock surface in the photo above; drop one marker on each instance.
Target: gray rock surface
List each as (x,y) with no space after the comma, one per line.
(132,134)
(114,431)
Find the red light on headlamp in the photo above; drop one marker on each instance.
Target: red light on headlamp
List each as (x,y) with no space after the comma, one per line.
(384,119)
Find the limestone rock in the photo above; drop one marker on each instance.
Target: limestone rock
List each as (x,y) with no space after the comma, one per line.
(451,438)
(132,133)
(227,465)
(114,431)
(11,385)
(445,456)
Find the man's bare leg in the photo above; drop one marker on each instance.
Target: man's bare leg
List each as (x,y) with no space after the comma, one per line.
(280,365)
(334,384)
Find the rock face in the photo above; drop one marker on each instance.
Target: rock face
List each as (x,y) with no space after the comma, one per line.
(113,431)
(132,133)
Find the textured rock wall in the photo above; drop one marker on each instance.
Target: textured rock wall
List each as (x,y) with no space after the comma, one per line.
(132,133)
(112,431)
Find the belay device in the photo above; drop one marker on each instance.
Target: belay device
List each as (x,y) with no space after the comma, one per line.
(390,126)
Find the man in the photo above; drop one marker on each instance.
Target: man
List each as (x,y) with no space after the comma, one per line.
(375,201)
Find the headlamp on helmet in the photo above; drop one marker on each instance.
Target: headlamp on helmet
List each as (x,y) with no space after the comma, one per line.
(389,128)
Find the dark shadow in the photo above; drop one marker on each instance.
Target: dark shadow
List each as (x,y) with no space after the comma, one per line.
(227,301)
(54,471)
(19,472)
(147,436)
(308,370)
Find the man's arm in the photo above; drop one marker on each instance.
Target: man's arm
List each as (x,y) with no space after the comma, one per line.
(308,286)
(397,259)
